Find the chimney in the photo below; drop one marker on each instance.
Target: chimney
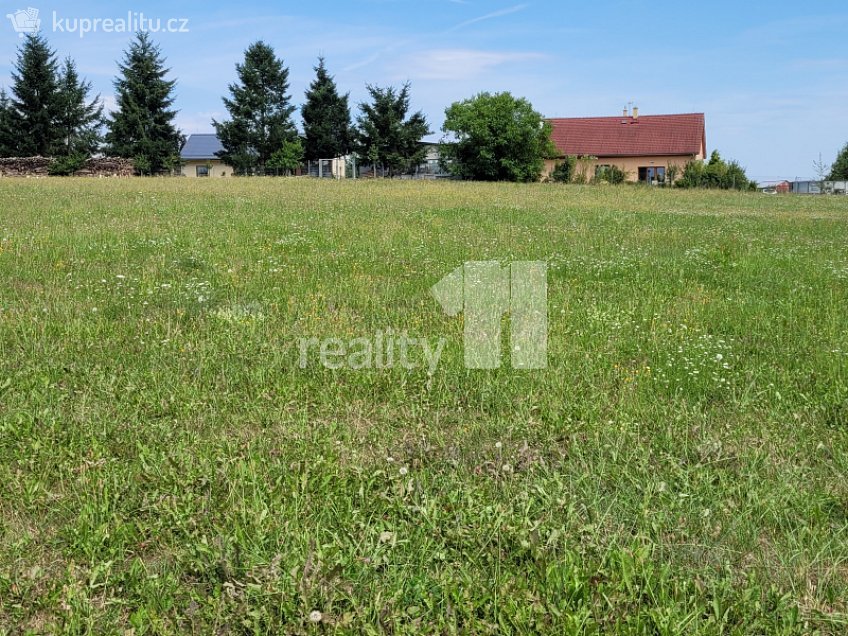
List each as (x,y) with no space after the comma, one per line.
(625,113)
(635,112)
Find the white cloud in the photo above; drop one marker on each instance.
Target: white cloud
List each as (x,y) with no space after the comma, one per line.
(459,64)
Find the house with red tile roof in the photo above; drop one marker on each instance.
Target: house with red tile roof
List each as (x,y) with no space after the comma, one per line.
(645,147)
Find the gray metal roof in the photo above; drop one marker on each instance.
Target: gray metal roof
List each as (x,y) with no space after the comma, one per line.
(201,147)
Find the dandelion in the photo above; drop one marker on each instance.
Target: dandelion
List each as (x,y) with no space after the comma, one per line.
(315,616)
(390,459)
(498,445)
(403,471)
(506,468)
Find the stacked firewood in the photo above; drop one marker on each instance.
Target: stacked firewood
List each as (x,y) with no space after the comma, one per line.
(40,167)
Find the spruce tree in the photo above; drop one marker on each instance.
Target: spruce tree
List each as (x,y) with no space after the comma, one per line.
(386,134)
(142,128)
(839,170)
(34,97)
(8,139)
(78,121)
(326,118)
(260,112)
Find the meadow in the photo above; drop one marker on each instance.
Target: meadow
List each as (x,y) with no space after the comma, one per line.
(167,466)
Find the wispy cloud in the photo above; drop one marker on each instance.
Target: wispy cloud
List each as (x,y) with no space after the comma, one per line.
(490,16)
(459,64)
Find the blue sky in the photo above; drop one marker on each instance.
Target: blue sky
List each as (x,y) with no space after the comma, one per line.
(772,77)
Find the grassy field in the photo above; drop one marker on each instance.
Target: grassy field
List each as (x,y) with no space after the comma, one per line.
(167,467)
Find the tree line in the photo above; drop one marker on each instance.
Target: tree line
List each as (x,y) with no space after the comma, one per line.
(490,137)
(51,112)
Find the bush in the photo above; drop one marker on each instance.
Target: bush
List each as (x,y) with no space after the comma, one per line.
(66,166)
(717,173)
(142,165)
(288,158)
(564,170)
(611,174)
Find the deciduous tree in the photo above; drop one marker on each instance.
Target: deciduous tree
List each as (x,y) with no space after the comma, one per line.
(498,137)
(288,158)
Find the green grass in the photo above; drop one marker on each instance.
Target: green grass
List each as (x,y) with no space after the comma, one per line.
(166,466)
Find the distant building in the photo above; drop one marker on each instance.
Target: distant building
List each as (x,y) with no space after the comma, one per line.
(819,187)
(774,187)
(431,167)
(200,157)
(644,147)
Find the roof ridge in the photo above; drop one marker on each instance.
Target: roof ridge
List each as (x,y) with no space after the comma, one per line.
(622,116)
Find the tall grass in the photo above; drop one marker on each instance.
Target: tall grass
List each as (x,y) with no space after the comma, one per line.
(166,466)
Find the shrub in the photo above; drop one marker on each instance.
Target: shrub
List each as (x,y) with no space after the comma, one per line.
(66,166)
(581,170)
(717,173)
(564,170)
(611,174)
(142,165)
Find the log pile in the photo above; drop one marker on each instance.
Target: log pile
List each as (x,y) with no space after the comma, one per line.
(40,167)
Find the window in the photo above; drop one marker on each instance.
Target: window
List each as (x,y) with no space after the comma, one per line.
(652,174)
(599,169)
(202,171)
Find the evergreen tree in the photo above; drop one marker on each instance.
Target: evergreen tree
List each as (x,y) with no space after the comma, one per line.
(142,128)
(386,135)
(326,118)
(78,121)
(260,112)
(839,170)
(34,101)
(8,139)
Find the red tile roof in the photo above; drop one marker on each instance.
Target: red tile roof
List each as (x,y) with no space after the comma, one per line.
(631,137)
